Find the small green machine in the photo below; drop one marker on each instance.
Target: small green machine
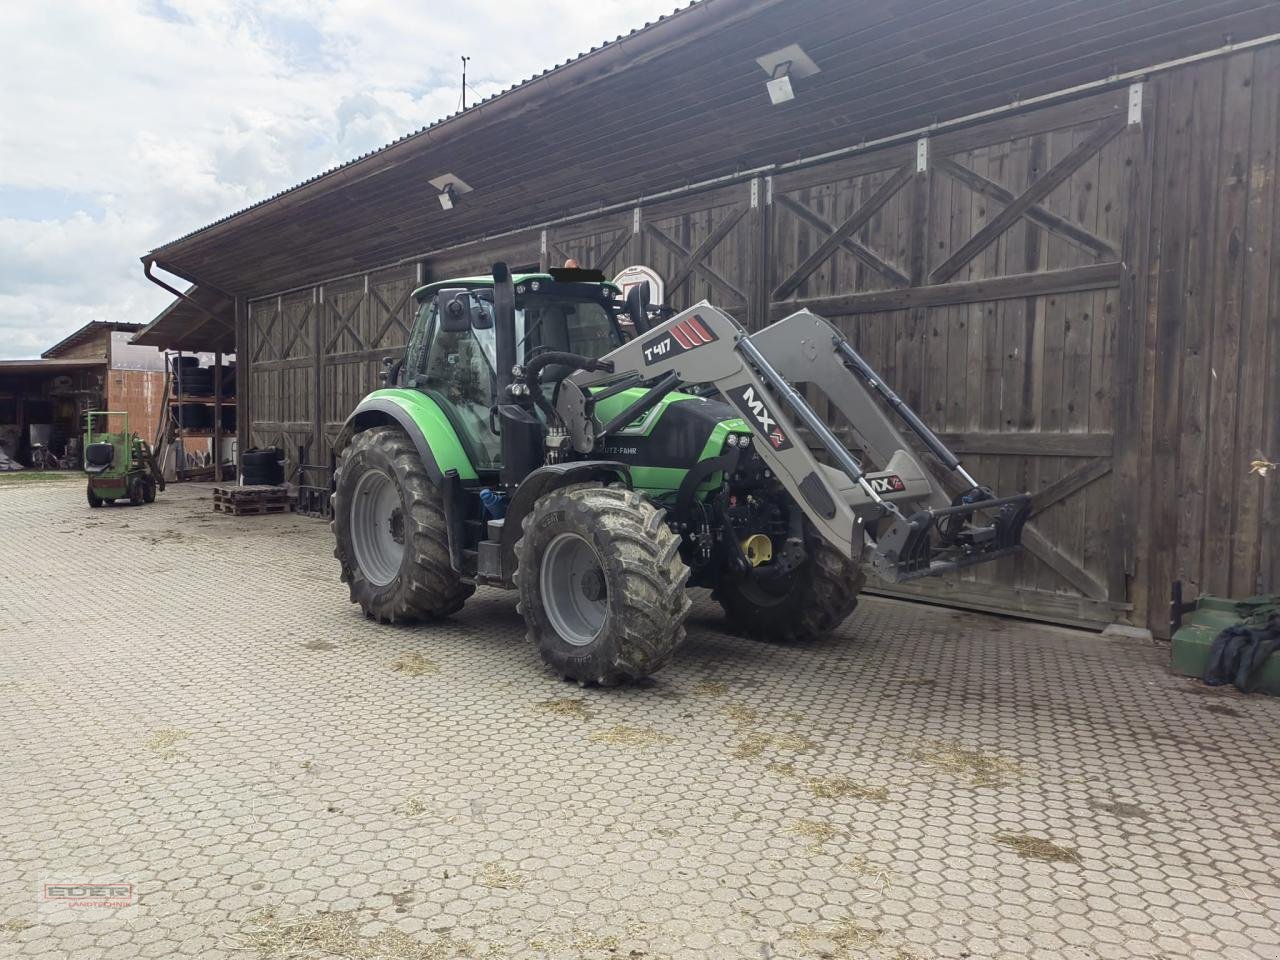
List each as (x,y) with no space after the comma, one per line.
(120,465)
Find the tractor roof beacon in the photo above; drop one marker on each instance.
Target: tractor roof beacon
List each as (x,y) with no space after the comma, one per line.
(600,455)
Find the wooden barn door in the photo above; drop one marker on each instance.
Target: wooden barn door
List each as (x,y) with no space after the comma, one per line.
(982,274)
(704,246)
(282,358)
(362,320)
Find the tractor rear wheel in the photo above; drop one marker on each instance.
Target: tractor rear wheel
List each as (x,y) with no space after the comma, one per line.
(137,496)
(805,605)
(602,585)
(149,490)
(392,544)
(95,501)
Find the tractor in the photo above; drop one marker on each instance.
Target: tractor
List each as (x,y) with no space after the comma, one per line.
(600,455)
(120,465)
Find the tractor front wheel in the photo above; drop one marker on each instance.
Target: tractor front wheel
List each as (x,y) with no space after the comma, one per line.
(149,490)
(805,605)
(392,543)
(602,585)
(137,496)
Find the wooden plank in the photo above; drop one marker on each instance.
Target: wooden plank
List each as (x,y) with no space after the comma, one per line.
(1029,443)
(1043,283)
(1255,561)
(1052,179)
(1035,212)
(855,222)
(1223,469)
(1070,483)
(1061,608)
(1201,313)
(851,244)
(1040,547)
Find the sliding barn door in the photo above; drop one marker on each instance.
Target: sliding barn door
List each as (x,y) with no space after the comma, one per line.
(982,274)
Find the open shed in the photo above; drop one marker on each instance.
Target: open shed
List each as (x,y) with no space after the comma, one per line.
(1051,226)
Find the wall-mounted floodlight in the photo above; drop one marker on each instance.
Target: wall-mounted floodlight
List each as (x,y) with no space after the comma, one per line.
(449,188)
(784,66)
(779,86)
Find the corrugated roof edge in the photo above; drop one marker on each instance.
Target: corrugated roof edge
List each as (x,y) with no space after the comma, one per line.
(432,126)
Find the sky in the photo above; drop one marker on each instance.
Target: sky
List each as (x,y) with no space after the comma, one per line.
(127,124)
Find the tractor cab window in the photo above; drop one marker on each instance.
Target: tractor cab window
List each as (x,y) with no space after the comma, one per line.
(458,369)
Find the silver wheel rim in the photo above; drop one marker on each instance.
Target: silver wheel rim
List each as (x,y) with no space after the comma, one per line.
(377,527)
(574,590)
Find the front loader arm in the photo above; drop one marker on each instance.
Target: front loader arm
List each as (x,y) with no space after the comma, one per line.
(705,345)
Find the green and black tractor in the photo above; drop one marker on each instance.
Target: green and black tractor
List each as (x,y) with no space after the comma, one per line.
(120,464)
(600,456)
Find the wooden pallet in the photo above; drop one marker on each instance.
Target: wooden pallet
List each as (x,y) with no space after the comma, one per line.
(252,501)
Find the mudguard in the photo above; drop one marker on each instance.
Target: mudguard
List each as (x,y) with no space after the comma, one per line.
(422,419)
(541,482)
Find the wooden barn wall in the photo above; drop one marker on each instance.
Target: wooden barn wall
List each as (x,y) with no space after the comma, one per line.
(1085,307)
(1211,349)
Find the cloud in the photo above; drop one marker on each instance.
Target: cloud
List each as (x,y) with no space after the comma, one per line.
(127,124)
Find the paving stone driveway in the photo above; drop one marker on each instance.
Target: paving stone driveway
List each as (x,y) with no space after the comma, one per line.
(189,705)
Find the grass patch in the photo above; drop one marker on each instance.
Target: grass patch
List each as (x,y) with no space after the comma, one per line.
(415,665)
(980,769)
(164,743)
(622,735)
(755,744)
(320,936)
(414,807)
(742,716)
(498,877)
(842,788)
(568,707)
(708,688)
(814,831)
(850,939)
(17,924)
(1037,848)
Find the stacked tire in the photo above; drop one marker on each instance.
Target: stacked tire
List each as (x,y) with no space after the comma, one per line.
(195,416)
(193,380)
(262,467)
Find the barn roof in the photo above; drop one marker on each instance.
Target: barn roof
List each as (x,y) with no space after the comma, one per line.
(87,333)
(683,100)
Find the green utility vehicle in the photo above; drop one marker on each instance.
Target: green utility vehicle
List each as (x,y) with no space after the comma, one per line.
(545,434)
(120,465)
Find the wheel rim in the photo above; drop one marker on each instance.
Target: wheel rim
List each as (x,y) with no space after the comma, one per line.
(574,590)
(767,593)
(377,527)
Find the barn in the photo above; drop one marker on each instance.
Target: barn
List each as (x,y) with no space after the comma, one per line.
(1053,227)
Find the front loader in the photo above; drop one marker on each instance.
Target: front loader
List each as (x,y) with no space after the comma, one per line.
(544,434)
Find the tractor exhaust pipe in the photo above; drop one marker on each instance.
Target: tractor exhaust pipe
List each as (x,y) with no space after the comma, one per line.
(504,319)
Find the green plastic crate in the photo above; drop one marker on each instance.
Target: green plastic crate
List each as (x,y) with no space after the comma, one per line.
(1190,649)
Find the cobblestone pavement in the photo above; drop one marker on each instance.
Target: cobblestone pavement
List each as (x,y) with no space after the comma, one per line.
(189,705)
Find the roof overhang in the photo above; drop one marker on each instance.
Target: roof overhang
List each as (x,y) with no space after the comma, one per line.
(198,321)
(48,367)
(684,101)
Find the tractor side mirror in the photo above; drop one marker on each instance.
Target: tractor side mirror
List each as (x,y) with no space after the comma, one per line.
(455,309)
(638,306)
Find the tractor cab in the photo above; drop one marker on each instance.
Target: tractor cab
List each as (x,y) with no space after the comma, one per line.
(452,354)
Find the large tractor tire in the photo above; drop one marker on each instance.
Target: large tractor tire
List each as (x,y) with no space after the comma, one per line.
(802,606)
(392,543)
(601,584)
(95,501)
